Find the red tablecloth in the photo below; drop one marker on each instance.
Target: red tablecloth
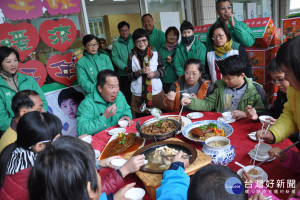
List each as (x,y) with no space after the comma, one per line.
(243,144)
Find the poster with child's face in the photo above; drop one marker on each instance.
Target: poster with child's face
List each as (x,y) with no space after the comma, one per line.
(64,104)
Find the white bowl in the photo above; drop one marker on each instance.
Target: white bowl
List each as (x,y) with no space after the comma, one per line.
(97,153)
(117,163)
(260,171)
(116,131)
(194,115)
(263,149)
(264,118)
(87,139)
(187,95)
(135,193)
(123,123)
(227,115)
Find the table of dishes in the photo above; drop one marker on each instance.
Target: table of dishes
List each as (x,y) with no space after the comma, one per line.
(241,137)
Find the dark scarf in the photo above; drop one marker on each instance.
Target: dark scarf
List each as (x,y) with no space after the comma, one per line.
(10,79)
(187,40)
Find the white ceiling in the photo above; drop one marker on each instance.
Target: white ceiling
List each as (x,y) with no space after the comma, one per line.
(110,2)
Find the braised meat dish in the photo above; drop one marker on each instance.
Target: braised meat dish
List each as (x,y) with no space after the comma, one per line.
(160,127)
(124,142)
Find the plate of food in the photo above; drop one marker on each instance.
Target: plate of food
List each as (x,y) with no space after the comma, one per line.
(201,130)
(185,120)
(122,143)
(159,154)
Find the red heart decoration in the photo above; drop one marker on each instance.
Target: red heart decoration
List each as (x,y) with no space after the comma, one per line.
(62,69)
(58,34)
(23,37)
(34,68)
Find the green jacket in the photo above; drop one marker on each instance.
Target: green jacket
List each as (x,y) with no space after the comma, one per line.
(198,51)
(254,95)
(170,75)
(240,33)
(88,67)
(6,94)
(90,118)
(120,52)
(157,38)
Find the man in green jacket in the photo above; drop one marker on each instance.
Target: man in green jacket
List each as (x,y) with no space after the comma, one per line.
(156,37)
(232,93)
(188,48)
(104,107)
(120,53)
(240,32)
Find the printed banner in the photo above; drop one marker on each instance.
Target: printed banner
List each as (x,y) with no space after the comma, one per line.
(64,104)
(23,37)
(55,7)
(34,68)
(21,9)
(62,69)
(58,34)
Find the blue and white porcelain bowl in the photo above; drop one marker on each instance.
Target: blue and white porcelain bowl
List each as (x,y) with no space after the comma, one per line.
(221,155)
(226,127)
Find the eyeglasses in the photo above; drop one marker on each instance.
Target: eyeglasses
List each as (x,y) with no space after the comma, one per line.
(93,45)
(141,41)
(190,74)
(216,37)
(224,8)
(278,82)
(44,141)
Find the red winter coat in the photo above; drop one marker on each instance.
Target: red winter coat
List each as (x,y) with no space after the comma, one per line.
(15,186)
(111,183)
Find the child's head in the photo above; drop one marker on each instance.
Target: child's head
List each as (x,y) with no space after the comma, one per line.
(69,100)
(214,182)
(277,76)
(288,59)
(233,70)
(103,43)
(64,171)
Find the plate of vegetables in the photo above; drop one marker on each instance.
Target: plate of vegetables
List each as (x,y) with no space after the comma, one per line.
(201,130)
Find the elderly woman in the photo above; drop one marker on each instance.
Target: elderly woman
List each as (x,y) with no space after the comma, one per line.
(223,47)
(167,53)
(92,62)
(11,82)
(191,82)
(145,68)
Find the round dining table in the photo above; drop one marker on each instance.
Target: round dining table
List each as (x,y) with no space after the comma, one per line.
(278,176)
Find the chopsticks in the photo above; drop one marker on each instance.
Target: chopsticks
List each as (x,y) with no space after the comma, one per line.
(180,91)
(280,152)
(180,111)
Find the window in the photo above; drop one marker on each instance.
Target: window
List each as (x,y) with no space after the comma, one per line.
(294,6)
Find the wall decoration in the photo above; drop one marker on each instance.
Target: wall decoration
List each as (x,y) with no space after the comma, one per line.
(21,9)
(55,7)
(62,69)
(23,37)
(34,68)
(58,34)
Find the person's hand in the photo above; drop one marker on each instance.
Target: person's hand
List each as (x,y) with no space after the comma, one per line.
(132,165)
(251,113)
(270,121)
(181,157)
(237,114)
(259,196)
(231,20)
(169,59)
(246,177)
(194,96)
(125,117)
(151,75)
(185,101)
(171,95)
(120,195)
(110,111)
(274,152)
(106,162)
(145,70)
(267,137)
